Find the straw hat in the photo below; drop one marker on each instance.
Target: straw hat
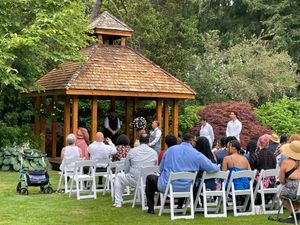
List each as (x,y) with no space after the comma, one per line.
(292,150)
(275,138)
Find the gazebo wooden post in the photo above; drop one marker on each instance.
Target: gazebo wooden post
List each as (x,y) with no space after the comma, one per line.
(66,118)
(175,117)
(127,117)
(75,114)
(94,107)
(53,128)
(166,123)
(159,111)
(43,126)
(135,107)
(113,103)
(37,125)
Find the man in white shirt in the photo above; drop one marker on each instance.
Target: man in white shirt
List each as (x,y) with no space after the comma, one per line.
(99,150)
(234,126)
(207,131)
(155,136)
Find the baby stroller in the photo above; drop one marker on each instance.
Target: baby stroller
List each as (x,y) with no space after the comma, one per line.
(33,172)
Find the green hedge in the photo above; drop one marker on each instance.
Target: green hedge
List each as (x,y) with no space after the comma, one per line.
(282,116)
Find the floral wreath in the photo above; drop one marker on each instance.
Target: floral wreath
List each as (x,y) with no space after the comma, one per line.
(139,123)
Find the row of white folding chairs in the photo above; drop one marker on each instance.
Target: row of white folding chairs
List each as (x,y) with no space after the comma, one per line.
(221,195)
(71,168)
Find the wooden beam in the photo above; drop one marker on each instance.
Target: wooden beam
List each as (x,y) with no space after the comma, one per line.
(66,118)
(44,93)
(43,126)
(75,114)
(166,123)
(130,94)
(94,107)
(127,117)
(159,111)
(37,125)
(54,129)
(114,32)
(175,117)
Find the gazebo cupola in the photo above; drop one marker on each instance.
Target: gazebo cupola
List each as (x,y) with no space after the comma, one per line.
(110,30)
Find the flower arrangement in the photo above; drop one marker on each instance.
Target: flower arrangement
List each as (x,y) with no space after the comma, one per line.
(139,123)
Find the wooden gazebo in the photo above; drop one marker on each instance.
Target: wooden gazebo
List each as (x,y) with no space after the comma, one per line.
(111,71)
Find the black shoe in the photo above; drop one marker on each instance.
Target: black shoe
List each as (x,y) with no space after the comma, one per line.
(151,211)
(288,220)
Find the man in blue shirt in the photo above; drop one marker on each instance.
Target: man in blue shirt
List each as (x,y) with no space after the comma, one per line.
(178,158)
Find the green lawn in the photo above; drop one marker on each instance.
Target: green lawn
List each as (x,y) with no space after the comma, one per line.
(58,208)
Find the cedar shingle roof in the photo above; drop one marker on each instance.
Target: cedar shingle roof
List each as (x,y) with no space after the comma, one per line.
(113,68)
(108,21)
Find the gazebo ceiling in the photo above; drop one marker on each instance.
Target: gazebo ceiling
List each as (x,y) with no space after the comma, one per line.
(116,71)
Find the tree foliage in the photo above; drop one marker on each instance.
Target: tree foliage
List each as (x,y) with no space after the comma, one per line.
(218,116)
(37,35)
(283,116)
(247,71)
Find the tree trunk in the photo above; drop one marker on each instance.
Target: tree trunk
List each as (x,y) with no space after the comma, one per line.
(96,9)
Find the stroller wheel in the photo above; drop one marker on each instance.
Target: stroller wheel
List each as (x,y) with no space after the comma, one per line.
(48,190)
(18,187)
(24,191)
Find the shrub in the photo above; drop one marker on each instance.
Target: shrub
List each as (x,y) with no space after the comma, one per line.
(283,116)
(218,116)
(188,119)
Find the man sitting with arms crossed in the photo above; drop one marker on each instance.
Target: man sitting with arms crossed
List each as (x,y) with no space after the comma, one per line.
(140,156)
(178,158)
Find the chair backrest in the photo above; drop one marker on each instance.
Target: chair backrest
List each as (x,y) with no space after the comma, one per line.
(68,164)
(218,175)
(83,163)
(181,175)
(102,162)
(250,174)
(145,171)
(270,173)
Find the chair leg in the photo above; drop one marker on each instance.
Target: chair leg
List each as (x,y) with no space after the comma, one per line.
(294,213)
(163,201)
(143,197)
(135,195)
(192,205)
(70,193)
(77,187)
(172,204)
(59,182)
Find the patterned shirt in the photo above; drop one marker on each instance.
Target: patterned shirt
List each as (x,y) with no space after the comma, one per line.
(122,152)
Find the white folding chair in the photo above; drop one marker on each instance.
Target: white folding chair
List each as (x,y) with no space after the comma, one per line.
(241,210)
(80,178)
(112,169)
(67,171)
(102,163)
(272,206)
(186,194)
(220,195)
(291,204)
(139,193)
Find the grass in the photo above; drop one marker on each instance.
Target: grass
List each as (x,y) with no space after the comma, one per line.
(57,208)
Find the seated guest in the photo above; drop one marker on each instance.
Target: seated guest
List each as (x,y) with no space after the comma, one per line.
(203,146)
(263,158)
(282,155)
(122,147)
(71,151)
(143,155)
(236,162)
(289,177)
(251,147)
(223,152)
(178,158)
(83,141)
(99,150)
(273,143)
(170,140)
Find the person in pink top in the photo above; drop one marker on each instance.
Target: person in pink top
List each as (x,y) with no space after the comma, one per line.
(83,141)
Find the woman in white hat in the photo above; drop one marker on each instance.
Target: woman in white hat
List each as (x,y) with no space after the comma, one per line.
(290,176)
